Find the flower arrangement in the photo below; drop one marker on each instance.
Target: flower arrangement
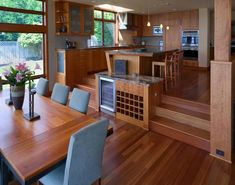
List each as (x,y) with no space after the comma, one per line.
(19,74)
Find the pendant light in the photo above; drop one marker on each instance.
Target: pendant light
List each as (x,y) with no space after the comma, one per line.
(161,26)
(148,23)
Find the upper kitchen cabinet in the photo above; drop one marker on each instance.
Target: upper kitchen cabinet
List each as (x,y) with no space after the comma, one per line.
(190,20)
(74,18)
(130,21)
(88,20)
(62,18)
(147,30)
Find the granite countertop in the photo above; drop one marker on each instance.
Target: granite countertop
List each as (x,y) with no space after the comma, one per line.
(147,52)
(99,47)
(137,79)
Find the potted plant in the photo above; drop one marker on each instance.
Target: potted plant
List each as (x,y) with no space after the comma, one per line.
(17,76)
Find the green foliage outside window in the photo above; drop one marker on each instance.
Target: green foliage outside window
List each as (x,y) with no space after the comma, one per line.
(26,40)
(106,26)
(22,4)
(97,14)
(109,16)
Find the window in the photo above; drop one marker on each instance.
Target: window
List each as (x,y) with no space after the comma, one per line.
(104,28)
(23,34)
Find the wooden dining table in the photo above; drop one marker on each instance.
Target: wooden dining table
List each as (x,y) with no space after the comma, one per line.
(32,149)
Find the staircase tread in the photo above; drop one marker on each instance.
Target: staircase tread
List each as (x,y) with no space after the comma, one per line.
(181,127)
(186,111)
(179,102)
(186,101)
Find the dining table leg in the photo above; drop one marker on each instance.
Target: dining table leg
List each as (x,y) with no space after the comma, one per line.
(3,173)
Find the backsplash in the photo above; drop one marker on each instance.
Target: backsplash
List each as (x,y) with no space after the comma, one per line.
(81,41)
(152,41)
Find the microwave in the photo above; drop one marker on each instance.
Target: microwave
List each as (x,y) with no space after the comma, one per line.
(157,30)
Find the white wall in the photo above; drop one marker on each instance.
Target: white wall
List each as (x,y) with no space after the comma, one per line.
(204,37)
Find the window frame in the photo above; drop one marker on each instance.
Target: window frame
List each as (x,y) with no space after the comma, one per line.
(103,21)
(27,28)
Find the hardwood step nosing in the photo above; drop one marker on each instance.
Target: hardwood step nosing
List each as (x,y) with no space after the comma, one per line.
(183,118)
(177,135)
(186,104)
(181,131)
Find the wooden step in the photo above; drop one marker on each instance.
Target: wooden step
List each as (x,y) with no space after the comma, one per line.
(186,111)
(92,90)
(186,104)
(90,81)
(184,116)
(184,133)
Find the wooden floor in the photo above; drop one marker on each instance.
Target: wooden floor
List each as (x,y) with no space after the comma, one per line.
(135,157)
(193,84)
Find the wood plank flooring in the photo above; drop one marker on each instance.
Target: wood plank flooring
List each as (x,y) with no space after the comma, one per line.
(193,84)
(136,157)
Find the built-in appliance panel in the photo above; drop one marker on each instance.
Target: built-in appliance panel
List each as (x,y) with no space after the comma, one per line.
(190,41)
(107,94)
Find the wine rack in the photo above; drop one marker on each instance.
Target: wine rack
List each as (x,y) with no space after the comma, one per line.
(130,105)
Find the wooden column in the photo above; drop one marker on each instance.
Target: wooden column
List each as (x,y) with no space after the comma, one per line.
(221,83)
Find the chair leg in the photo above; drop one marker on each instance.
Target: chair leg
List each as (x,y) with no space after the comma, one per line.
(153,72)
(165,69)
(99,181)
(160,71)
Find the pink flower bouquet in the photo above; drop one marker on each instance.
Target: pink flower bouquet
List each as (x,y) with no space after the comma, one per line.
(19,74)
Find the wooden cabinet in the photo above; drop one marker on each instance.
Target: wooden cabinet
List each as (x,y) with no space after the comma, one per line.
(138,23)
(148,31)
(62,18)
(136,102)
(74,18)
(131,21)
(172,37)
(73,65)
(190,20)
(88,20)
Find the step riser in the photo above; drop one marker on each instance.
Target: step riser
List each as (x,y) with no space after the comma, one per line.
(183,118)
(185,104)
(180,136)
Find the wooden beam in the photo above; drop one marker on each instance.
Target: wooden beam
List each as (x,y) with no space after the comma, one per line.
(23,28)
(221,84)
(18,10)
(223,19)
(221,110)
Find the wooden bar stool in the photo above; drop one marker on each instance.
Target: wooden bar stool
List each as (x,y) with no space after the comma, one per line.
(178,61)
(168,65)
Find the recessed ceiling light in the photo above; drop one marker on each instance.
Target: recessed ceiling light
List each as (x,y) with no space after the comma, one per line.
(114,8)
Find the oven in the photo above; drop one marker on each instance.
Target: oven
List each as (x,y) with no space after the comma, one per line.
(190,40)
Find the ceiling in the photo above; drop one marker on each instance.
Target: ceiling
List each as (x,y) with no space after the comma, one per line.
(155,6)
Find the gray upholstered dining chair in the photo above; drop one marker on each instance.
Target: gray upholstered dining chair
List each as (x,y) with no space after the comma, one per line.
(60,93)
(42,87)
(79,100)
(84,161)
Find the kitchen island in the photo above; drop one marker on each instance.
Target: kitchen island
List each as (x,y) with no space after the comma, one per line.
(139,60)
(132,98)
